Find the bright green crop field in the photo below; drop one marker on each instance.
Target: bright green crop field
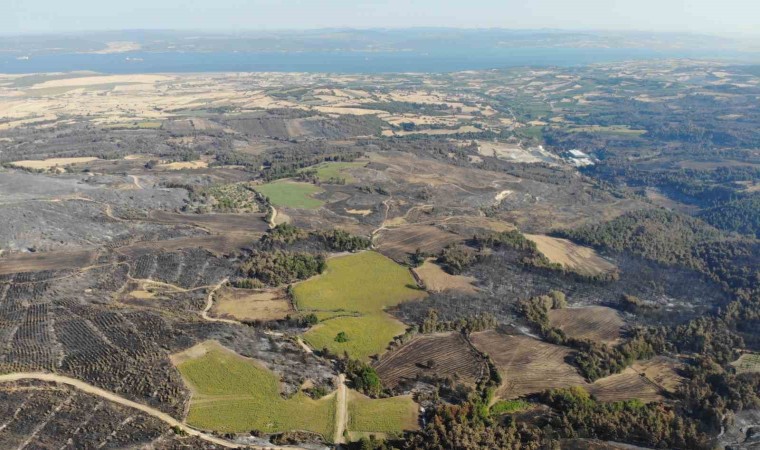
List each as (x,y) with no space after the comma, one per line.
(328,170)
(235,394)
(385,415)
(366,284)
(291,194)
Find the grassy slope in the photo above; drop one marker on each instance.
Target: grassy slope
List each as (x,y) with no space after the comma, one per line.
(386,415)
(291,194)
(328,170)
(234,394)
(364,283)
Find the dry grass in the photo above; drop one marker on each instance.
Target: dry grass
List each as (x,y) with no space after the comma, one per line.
(527,365)
(626,385)
(244,304)
(596,323)
(436,279)
(662,371)
(50,163)
(747,363)
(583,260)
(184,165)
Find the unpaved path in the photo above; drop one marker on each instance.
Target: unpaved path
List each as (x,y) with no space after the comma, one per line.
(110,396)
(341,413)
(303,345)
(272,223)
(210,303)
(136,181)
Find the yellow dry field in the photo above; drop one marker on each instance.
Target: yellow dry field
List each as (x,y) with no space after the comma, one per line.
(245,304)
(100,80)
(46,164)
(662,371)
(627,385)
(359,212)
(583,260)
(184,165)
(436,279)
(595,323)
(141,294)
(747,363)
(527,365)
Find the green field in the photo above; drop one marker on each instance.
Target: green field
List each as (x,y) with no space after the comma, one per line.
(235,394)
(385,415)
(747,363)
(328,170)
(291,194)
(366,284)
(509,406)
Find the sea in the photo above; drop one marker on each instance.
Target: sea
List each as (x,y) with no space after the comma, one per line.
(438,61)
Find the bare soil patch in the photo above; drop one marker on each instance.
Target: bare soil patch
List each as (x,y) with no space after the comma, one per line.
(245,304)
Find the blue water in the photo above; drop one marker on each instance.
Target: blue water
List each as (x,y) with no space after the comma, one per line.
(448,60)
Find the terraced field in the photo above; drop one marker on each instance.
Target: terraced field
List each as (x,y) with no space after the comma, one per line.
(527,365)
(626,385)
(451,355)
(596,323)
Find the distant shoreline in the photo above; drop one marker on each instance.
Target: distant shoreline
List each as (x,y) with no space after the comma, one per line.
(440,61)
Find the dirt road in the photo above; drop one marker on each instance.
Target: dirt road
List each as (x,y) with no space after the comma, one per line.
(341,413)
(210,303)
(110,396)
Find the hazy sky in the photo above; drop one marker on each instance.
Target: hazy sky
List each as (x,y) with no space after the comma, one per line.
(712,16)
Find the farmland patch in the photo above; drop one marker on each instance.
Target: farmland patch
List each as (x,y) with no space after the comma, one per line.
(385,415)
(399,243)
(527,365)
(235,394)
(244,304)
(291,194)
(436,279)
(596,323)
(438,355)
(578,258)
(362,284)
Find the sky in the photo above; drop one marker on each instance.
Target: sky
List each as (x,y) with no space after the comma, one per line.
(701,16)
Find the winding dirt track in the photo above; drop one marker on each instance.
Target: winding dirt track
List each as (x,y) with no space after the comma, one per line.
(210,303)
(90,389)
